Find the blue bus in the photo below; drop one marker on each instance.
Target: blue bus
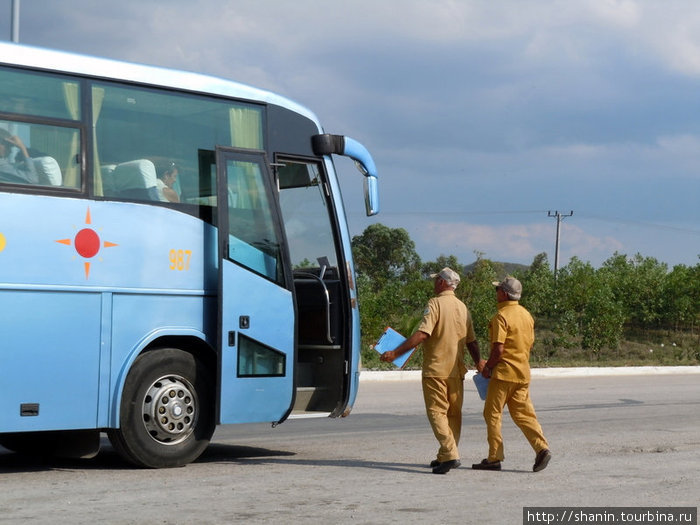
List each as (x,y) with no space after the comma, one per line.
(174,255)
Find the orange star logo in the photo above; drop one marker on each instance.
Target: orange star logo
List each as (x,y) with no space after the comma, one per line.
(87,243)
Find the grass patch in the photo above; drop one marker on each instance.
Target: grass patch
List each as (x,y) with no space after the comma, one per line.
(647,348)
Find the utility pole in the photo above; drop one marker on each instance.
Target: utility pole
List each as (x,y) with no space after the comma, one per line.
(15,21)
(559,218)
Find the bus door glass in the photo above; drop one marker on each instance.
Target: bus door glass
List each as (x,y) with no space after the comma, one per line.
(256,310)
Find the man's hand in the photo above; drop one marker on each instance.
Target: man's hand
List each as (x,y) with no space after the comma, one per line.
(480,365)
(14,140)
(495,357)
(417,338)
(388,356)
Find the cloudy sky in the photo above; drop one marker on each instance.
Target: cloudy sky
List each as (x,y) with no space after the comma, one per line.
(482,116)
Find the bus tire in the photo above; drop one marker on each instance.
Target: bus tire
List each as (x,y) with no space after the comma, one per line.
(167,410)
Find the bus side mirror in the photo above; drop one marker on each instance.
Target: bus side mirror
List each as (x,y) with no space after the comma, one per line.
(371,195)
(328,144)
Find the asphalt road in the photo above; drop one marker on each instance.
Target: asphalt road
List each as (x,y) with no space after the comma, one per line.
(617,441)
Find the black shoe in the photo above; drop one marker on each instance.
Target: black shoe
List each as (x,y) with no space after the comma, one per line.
(541,460)
(487,465)
(446,466)
(434,463)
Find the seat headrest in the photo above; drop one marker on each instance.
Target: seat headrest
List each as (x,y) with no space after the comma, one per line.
(48,170)
(134,174)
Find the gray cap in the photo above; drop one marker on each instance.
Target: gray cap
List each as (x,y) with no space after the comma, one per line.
(511,286)
(448,275)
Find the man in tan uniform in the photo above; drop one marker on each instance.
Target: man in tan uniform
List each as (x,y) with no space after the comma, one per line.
(444,331)
(512,333)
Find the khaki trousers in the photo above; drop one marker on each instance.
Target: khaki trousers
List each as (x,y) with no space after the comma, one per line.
(517,397)
(443,404)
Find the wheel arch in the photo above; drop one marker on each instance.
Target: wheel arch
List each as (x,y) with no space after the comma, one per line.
(191,341)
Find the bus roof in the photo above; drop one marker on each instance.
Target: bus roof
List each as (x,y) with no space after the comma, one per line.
(103,68)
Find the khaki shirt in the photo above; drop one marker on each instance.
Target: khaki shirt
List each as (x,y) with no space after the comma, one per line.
(449,326)
(514,327)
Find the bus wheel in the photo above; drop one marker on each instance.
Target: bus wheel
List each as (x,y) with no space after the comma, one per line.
(167,410)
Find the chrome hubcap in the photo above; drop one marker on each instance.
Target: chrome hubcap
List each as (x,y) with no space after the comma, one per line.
(170,410)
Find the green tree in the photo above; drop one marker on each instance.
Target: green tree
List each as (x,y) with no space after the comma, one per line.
(538,287)
(601,320)
(389,285)
(574,286)
(638,285)
(681,297)
(385,254)
(441,262)
(587,303)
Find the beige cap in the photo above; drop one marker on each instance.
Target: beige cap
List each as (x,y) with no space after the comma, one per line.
(511,286)
(448,275)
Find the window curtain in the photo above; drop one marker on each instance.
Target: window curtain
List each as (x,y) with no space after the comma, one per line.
(246,132)
(71,173)
(98,95)
(246,127)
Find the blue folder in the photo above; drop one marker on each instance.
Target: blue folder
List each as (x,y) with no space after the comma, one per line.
(389,340)
(482,385)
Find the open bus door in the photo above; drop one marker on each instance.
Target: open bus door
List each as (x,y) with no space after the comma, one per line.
(256,310)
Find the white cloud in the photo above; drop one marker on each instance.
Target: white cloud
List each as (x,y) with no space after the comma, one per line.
(679,144)
(494,241)
(575,240)
(672,33)
(617,13)
(512,242)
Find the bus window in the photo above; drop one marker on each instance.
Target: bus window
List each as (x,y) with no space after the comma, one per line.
(39,95)
(252,237)
(306,215)
(255,359)
(137,130)
(39,155)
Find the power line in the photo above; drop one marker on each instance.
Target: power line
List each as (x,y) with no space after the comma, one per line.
(581,215)
(641,224)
